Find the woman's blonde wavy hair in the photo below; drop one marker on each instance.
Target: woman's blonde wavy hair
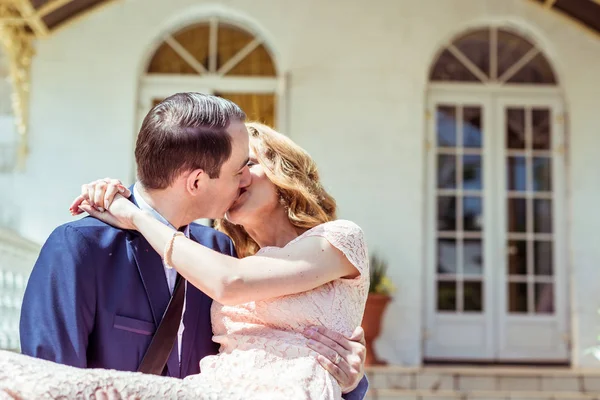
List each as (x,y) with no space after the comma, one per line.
(294,173)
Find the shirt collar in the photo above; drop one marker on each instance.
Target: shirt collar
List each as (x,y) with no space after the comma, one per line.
(146,207)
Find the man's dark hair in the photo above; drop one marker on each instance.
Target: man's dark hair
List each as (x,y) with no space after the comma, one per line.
(185,131)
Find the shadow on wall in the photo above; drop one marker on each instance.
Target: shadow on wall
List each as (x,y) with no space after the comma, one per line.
(8,153)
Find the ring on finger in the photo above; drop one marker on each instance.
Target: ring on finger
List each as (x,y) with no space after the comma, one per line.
(337,359)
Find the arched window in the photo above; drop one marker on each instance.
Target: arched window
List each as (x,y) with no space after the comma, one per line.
(492,55)
(215,57)
(496,265)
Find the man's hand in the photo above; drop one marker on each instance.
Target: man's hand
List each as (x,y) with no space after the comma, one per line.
(7,394)
(343,357)
(112,394)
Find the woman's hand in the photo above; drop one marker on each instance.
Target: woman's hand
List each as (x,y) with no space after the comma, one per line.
(103,199)
(99,194)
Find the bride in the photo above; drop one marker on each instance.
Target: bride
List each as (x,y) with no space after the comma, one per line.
(299,267)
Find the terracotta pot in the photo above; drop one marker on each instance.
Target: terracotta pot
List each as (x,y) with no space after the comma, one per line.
(371,323)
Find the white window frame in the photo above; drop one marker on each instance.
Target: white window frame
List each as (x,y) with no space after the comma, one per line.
(209,79)
(492,92)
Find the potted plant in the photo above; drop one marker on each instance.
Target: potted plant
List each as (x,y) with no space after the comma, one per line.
(380,291)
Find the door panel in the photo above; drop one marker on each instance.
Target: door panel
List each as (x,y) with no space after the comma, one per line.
(496,281)
(532,286)
(458,316)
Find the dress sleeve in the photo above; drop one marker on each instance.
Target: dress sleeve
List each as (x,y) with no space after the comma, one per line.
(348,238)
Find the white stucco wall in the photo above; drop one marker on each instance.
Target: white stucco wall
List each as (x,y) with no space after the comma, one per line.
(357,84)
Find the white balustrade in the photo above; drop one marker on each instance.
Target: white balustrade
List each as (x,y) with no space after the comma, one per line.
(17,257)
(11,297)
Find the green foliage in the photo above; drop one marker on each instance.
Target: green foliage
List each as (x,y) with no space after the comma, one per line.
(380,282)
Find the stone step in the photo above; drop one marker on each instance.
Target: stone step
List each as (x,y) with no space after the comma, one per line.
(466,379)
(395,394)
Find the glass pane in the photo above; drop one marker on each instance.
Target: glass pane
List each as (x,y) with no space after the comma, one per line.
(537,71)
(515,128)
(446,292)
(542,258)
(446,256)
(472,135)
(446,126)
(195,40)
(473,256)
(230,40)
(476,47)
(472,213)
(542,215)
(448,68)
(544,298)
(258,107)
(257,63)
(517,297)
(156,101)
(541,129)
(472,176)
(517,257)
(511,48)
(446,173)
(516,174)
(446,220)
(473,296)
(542,174)
(167,61)
(517,215)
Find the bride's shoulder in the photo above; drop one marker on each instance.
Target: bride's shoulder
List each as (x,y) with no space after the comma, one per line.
(339,230)
(342,226)
(343,223)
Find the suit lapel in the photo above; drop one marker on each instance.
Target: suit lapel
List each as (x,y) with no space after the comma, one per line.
(152,272)
(173,363)
(195,302)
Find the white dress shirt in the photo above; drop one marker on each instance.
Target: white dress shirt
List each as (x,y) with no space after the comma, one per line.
(170,273)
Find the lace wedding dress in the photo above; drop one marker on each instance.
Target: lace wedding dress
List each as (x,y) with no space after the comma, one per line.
(263,352)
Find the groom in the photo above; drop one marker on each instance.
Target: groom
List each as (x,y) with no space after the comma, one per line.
(97,294)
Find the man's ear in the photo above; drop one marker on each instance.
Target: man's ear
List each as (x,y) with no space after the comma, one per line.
(196,181)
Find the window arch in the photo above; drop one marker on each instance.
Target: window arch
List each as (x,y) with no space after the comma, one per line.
(492,55)
(212,48)
(217,57)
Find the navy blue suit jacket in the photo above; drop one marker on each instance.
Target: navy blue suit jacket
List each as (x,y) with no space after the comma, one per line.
(97,294)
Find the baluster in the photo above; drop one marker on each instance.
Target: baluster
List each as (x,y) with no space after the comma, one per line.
(9,284)
(3,310)
(20,290)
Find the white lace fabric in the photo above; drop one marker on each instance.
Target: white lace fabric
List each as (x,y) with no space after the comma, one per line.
(263,352)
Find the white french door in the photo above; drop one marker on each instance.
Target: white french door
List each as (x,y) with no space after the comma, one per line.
(496,266)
